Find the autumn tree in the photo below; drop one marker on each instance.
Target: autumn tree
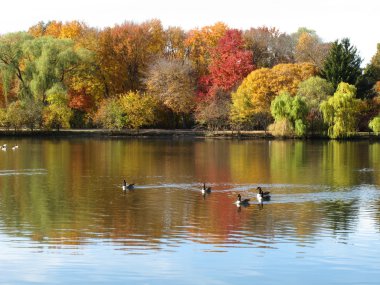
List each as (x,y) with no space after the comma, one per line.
(310,48)
(230,63)
(214,113)
(258,89)
(375,63)
(175,43)
(140,109)
(110,114)
(269,46)
(125,52)
(173,83)
(200,43)
(342,64)
(340,111)
(68,30)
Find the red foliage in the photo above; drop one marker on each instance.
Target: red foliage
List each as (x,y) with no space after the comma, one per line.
(230,64)
(79,100)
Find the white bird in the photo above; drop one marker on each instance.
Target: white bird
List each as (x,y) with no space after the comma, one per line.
(15,147)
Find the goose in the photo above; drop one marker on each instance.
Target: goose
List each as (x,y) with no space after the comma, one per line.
(205,190)
(4,147)
(240,202)
(128,186)
(15,147)
(262,196)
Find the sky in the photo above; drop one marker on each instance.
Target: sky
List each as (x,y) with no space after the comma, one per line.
(331,19)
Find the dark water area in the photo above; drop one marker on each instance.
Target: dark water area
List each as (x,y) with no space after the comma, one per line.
(64,218)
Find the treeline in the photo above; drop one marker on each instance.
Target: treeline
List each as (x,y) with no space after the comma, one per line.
(62,75)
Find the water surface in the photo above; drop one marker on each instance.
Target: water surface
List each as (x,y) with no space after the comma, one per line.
(64,218)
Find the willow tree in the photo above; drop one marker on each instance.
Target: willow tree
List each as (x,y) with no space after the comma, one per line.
(51,61)
(57,114)
(289,114)
(12,62)
(340,111)
(374,124)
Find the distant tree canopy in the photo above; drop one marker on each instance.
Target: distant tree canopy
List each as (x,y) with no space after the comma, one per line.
(136,75)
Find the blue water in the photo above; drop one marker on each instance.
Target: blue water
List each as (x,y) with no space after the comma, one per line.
(64,218)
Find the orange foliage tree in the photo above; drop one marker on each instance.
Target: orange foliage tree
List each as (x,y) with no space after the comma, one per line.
(258,89)
(125,51)
(200,43)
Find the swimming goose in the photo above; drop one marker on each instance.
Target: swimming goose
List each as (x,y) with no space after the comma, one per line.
(206,190)
(15,147)
(4,147)
(128,186)
(262,196)
(241,202)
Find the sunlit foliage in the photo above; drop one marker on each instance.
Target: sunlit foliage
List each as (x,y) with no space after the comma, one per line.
(340,111)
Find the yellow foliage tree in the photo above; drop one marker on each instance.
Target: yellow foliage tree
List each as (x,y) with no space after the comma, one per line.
(139,108)
(259,88)
(200,42)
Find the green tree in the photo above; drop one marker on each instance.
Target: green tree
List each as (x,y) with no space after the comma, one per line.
(289,112)
(315,90)
(110,115)
(12,63)
(374,124)
(32,113)
(57,114)
(342,64)
(140,109)
(340,111)
(15,115)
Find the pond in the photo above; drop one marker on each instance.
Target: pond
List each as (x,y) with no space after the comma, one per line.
(64,218)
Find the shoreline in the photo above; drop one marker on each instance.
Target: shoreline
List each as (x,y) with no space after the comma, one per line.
(168,133)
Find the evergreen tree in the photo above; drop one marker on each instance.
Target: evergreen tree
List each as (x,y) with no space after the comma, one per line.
(342,64)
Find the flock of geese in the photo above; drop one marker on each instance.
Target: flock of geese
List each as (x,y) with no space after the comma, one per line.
(4,147)
(261,196)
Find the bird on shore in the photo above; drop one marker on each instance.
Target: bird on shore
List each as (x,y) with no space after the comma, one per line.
(205,190)
(127,186)
(240,201)
(262,196)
